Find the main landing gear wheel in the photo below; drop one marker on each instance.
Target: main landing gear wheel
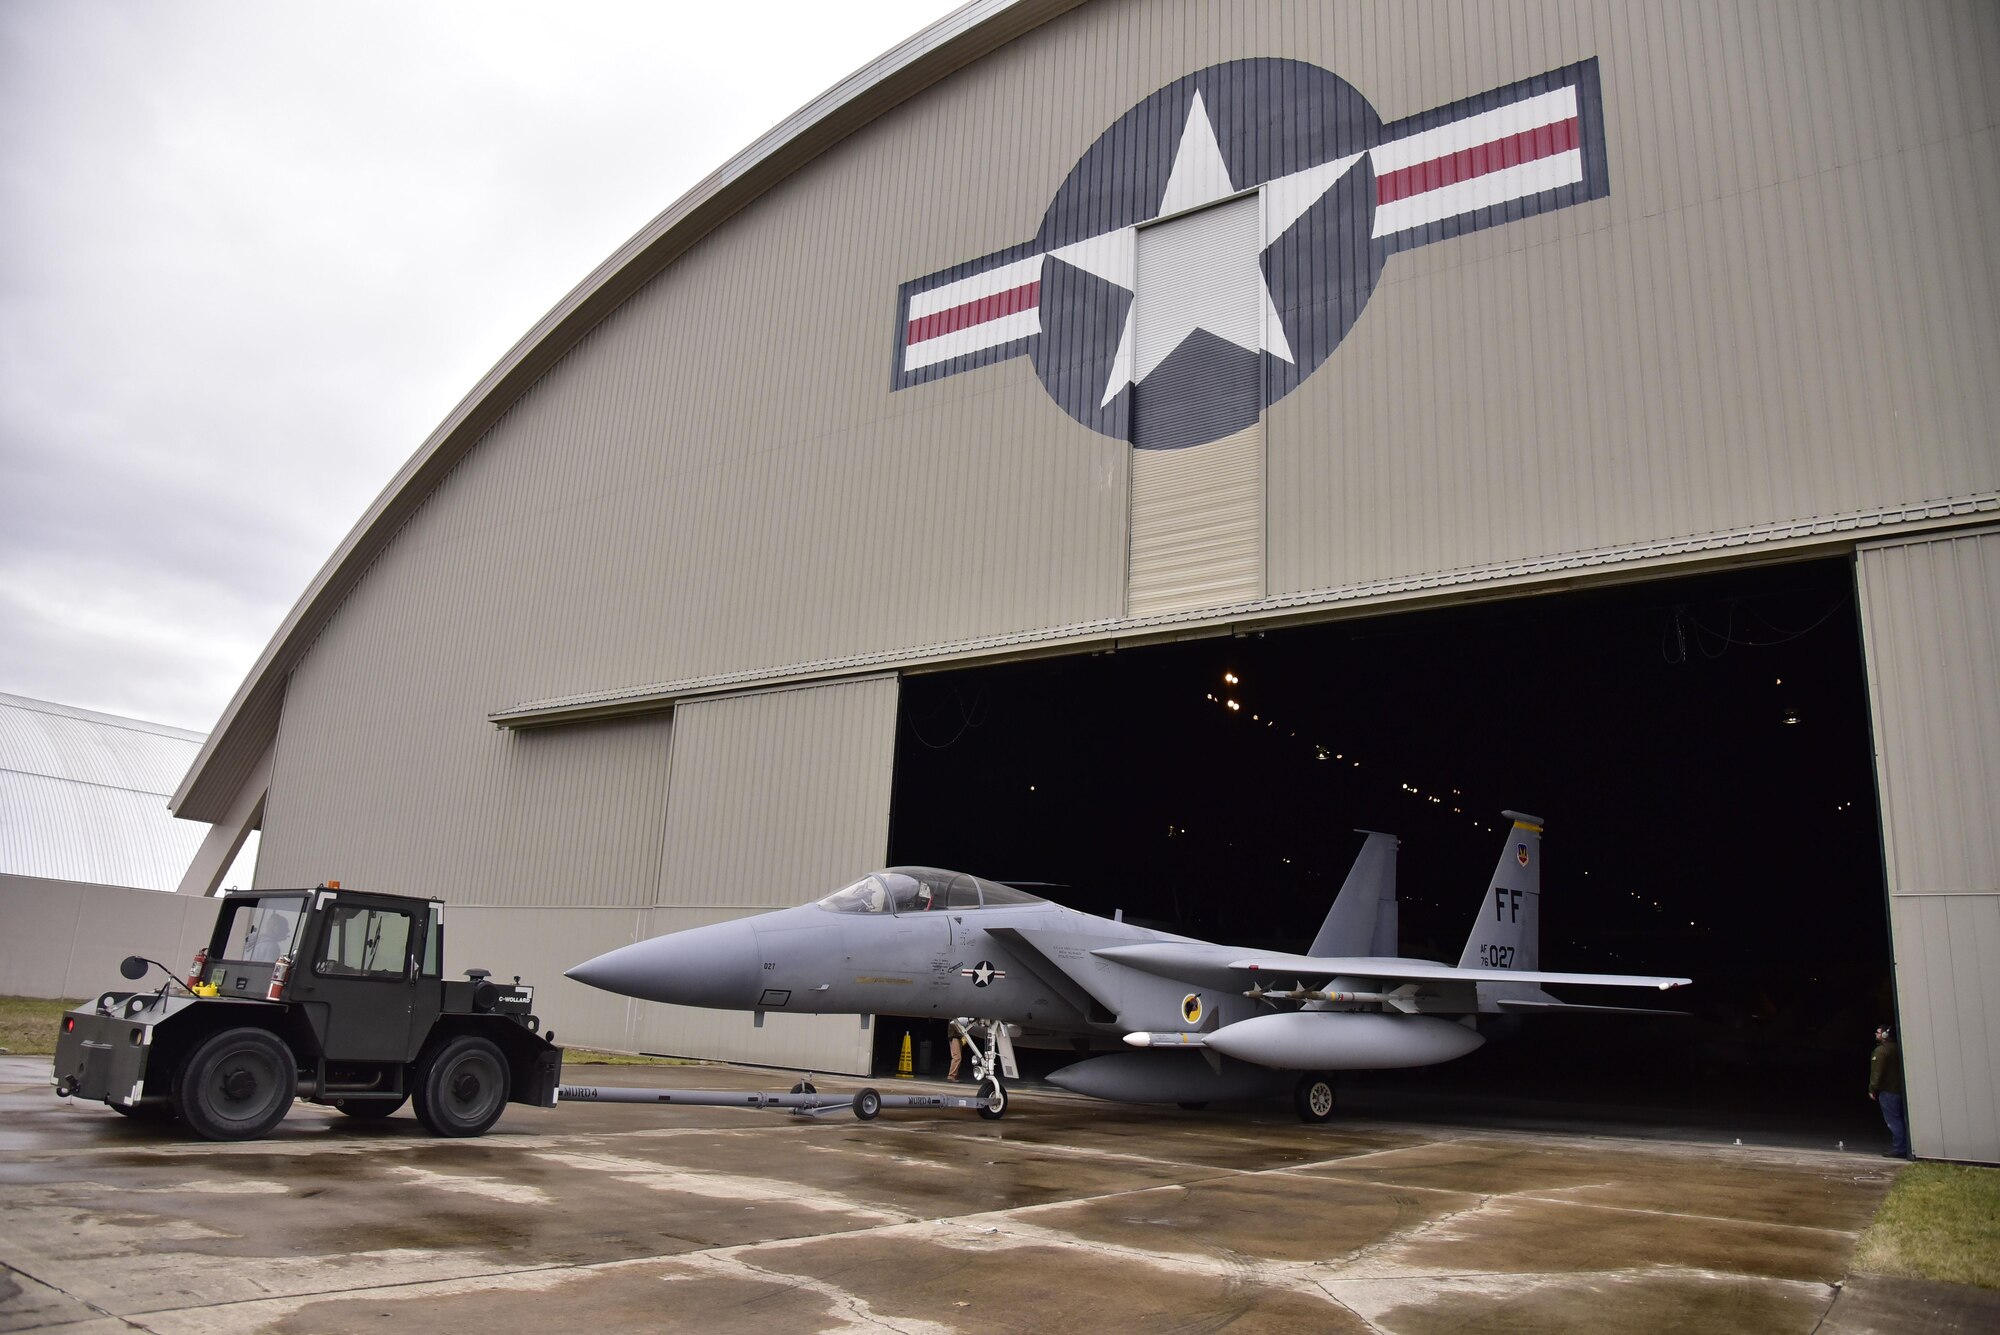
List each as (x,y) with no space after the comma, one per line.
(867,1104)
(370,1110)
(1313,1097)
(237,1085)
(993,1096)
(462,1087)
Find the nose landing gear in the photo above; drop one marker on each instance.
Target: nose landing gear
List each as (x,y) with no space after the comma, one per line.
(989,1060)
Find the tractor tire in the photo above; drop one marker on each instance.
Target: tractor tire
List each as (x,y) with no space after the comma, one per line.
(1313,1097)
(237,1085)
(462,1087)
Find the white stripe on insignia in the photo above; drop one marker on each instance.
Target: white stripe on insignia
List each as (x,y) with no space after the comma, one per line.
(974,338)
(1003,279)
(1528,114)
(1530,178)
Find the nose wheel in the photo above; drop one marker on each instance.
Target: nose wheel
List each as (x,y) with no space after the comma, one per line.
(985,1058)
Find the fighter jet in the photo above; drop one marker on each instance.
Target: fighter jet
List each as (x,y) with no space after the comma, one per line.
(1198,1021)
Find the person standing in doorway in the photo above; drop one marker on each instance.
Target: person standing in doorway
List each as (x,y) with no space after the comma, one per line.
(1885,1086)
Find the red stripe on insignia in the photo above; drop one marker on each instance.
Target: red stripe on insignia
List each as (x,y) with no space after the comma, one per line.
(1542,142)
(1023,298)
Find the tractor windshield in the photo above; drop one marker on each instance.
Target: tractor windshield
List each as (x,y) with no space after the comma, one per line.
(262,930)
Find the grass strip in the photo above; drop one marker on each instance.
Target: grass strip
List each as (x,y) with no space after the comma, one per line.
(28,1024)
(1940,1221)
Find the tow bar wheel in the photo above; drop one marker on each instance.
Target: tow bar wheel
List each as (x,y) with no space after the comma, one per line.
(867,1104)
(462,1087)
(237,1085)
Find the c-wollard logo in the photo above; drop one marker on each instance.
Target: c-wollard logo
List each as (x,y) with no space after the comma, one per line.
(1340,193)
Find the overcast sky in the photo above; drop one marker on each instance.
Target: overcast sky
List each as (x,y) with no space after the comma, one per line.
(254,253)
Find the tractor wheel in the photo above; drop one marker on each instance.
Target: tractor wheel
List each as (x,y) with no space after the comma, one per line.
(462,1087)
(237,1085)
(1313,1097)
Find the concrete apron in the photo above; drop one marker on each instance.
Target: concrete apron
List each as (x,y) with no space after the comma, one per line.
(1067,1214)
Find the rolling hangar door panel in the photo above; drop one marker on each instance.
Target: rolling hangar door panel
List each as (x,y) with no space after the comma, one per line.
(1197,475)
(1931,624)
(776,798)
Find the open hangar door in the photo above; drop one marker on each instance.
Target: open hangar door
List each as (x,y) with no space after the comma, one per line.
(1699,749)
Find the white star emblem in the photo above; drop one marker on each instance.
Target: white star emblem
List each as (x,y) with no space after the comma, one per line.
(983,973)
(1212,285)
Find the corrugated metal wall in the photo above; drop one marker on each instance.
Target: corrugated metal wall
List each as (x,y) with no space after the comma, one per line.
(83,796)
(1931,621)
(778,798)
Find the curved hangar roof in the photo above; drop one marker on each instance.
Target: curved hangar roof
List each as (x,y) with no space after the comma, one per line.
(247,726)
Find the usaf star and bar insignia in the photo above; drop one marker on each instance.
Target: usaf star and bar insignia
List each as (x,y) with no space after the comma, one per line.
(1339,192)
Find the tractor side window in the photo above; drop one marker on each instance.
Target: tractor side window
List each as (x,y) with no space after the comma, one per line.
(365,942)
(434,947)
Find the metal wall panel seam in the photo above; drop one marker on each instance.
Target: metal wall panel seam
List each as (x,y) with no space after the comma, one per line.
(1775,536)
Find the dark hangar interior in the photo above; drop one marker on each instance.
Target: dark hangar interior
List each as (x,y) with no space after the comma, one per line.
(1698,747)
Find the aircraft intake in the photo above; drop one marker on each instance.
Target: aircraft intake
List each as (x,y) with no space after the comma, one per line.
(1343,1040)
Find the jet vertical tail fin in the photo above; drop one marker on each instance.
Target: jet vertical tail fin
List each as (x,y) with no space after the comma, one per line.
(1507,932)
(1365,908)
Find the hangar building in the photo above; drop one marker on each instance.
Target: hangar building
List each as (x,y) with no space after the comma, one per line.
(1068,337)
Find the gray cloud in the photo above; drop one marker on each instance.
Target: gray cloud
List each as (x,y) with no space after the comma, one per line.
(255,253)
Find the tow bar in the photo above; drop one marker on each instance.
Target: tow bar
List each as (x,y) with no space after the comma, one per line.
(801,1101)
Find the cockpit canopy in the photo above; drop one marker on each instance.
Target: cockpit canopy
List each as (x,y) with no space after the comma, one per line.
(921,890)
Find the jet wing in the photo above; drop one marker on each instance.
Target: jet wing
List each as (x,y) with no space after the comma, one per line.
(1223,966)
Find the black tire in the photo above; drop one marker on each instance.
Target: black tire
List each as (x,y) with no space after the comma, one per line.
(370,1110)
(1313,1097)
(237,1085)
(1193,1107)
(462,1087)
(804,1087)
(993,1096)
(867,1105)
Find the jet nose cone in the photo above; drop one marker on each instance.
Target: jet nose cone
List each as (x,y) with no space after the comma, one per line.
(715,966)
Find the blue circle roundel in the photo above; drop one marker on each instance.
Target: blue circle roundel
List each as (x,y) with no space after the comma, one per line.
(1214,245)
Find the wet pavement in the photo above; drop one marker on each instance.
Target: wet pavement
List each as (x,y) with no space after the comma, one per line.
(1066,1214)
